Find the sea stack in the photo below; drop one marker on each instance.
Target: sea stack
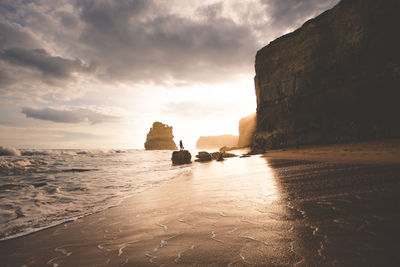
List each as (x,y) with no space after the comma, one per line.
(160,138)
(335,79)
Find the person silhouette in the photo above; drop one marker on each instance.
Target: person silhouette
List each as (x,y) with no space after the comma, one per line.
(181,145)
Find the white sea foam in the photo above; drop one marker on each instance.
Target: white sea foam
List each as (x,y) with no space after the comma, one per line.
(9,151)
(42,188)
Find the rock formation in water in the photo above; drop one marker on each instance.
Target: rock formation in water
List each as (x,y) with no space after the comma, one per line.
(247,126)
(181,157)
(335,79)
(210,142)
(216,155)
(160,138)
(203,156)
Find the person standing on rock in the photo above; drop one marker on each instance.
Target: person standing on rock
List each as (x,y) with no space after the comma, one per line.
(181,145)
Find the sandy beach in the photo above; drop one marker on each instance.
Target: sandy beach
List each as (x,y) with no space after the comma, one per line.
(372,152)
(256,211)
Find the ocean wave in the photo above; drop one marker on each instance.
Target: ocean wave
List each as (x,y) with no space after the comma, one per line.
(13,186)
(31,165)
(9,151)
(79,170)
(44,152)
(42,188)
(34,153)
(18,165)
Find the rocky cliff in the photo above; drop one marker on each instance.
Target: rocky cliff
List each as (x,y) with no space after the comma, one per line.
(247,126)
(209,142)
(160,138)
(335,79)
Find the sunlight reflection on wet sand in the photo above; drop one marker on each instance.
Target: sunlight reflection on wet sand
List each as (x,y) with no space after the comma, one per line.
(236,212)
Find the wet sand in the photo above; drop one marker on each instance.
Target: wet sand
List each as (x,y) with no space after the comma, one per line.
(372,152)
(259,211)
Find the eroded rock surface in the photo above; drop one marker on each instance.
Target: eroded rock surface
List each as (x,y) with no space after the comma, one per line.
(160,138)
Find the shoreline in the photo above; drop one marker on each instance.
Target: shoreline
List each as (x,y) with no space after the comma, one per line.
(72,219)
(383,152)
(243,211)
(149,211)
(370,152)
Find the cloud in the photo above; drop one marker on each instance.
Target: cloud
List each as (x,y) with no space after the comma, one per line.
(29,70)
(63,49)
(291,13)
(14,35)
(137,41)
(7,123)
(5,79)
(42,61)
(144,41)
(79,115)
(68,20)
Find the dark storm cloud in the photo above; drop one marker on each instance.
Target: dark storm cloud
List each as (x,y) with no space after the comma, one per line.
(42,61)
(138,41)
(68,116)
(106,14)
(27,68)
(287,13)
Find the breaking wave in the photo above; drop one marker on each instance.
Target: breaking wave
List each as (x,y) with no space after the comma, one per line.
(9,151)
(42,188)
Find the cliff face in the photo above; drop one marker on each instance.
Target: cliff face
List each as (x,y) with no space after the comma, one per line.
(160,138)
(247,126)
(209,142)
(337,78)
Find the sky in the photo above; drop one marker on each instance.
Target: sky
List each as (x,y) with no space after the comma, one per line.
(98,73)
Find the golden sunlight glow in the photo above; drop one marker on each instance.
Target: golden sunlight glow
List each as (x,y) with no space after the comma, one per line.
(193,111)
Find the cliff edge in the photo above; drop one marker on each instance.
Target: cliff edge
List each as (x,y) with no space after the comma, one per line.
(160,138)
(335,79)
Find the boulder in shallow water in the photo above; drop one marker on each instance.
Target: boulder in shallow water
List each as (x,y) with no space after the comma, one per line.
(203,156)
(225,148)
(221,155)
(229,155)
(181,157)
(215,155)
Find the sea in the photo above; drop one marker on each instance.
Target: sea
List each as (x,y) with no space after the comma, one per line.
(44,188)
